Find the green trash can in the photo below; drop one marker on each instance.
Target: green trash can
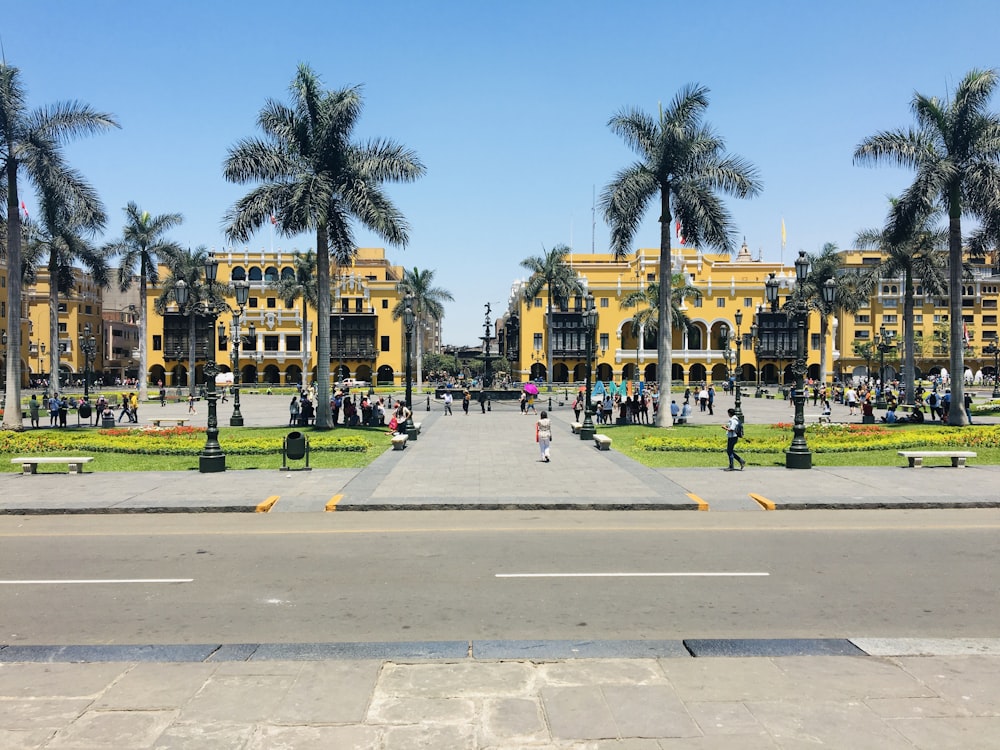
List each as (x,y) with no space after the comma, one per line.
(296,447)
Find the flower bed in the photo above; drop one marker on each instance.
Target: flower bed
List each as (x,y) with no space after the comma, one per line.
(836,439)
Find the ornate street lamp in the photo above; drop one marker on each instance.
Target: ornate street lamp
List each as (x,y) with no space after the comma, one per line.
(589,324)
(994,349)
(211,459)
(884,344)
(88,345)
(242,289)
(411,431)
(798,455)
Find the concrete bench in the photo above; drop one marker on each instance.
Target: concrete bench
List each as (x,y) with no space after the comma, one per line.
(916,458)
(576,427)
(680,420)
(603,442)
(172,420)
(29,464)
(398,442)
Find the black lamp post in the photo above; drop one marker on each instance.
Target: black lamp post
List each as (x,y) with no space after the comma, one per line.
(242,295)
(88,345)
(589,324)
(754,330)
(739,365)
(211,459)
(798,455)
(994,349)
(411,431)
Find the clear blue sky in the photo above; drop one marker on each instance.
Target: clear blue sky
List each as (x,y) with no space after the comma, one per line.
(507,104)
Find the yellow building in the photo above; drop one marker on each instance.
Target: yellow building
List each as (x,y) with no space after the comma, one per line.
(882,321)
(365,342)
(727,285)
(81,308)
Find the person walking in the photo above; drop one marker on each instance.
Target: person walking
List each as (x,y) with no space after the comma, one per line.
(33,410)
(191,409)
(447,403)
(733,430)
(293,411)
(466,398)
(543,434)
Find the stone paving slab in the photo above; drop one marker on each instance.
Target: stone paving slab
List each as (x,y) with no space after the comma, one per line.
(772,647)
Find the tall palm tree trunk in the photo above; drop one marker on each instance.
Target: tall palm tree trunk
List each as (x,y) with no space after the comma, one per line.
(12,393)
(54,321)
(305,341)
(420,349)
(323,417)
(666,330)
(192,355)
(908,363)
(956,415)
(143,390)
(548,336)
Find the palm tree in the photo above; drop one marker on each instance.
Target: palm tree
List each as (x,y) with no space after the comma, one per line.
(551,272)
(683,163)
(311,177)
(301,286)
(955,151)
(919,254)
(61,235)
(823,267)
(143,244)
(426,302)
(189,266)
(30,147)
(648,317)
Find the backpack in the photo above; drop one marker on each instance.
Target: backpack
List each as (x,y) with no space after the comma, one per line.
(739,429)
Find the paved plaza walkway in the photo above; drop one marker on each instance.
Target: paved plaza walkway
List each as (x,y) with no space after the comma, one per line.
(503,695)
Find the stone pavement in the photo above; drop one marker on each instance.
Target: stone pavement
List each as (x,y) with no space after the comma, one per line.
(503,695)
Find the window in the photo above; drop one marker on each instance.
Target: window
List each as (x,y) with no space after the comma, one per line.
(604,301)
(940,318)
(62,307)
(651,277)
(87,310)
(860,320)
(157,343)
(289,304)
(893,302)
(538,301)
(62,328)
(989,304)
(272,303)
(748,302)
(863,334)
(888,320)
(918,319)
(384,343)
(697,301)
(359,304)
(287,273)
(537,342)
(345,305)
(385,304)
(293,343)
(252,302)
(271,275)
(271,343)
(238,274)
(989,320)
(605,342)
(814,341)
(720,302)
(256,274)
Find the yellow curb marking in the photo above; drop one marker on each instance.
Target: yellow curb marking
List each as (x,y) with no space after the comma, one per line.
(702,505)
(763,501)
(265,507)
(332,505)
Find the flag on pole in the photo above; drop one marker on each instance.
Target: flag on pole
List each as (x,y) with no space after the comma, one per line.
(273,219)
(965,333)
(783,236)
(24,209)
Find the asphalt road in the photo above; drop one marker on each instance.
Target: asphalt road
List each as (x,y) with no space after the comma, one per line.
(504,575)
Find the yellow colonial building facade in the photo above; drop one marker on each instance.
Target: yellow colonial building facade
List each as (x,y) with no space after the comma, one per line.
(366,343)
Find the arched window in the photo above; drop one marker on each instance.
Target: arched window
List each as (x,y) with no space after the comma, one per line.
(271,275)
(287,273)
(238,274)
(255,274)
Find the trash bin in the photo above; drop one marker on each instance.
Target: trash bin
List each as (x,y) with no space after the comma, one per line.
(108,423)
(295,447)
(84,411)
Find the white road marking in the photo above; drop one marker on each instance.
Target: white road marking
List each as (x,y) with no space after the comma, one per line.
(628,575)
(97,580)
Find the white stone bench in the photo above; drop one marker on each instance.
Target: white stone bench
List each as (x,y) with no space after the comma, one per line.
(180,422)
(398,442)
(603,442)
(416,427)
(916,458)
(576,427)
(29,464)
